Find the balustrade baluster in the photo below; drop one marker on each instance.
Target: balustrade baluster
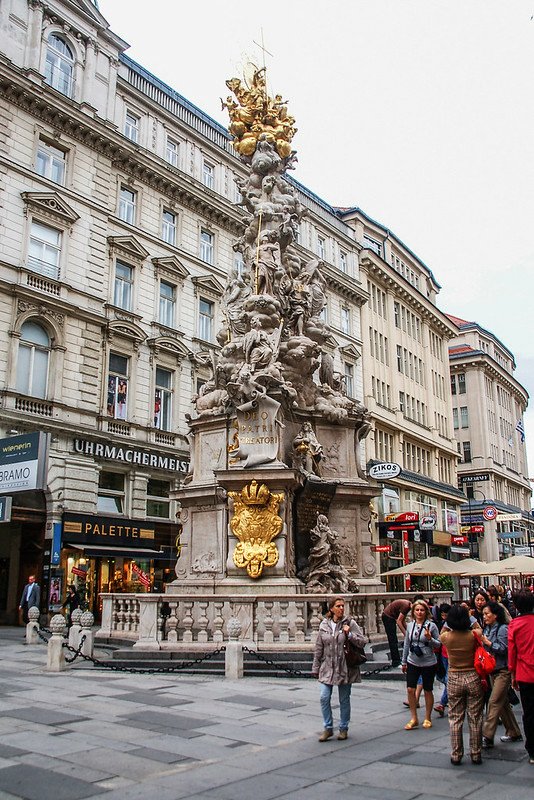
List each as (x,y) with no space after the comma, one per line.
(203,621)
(315,621)
(284,622)
(218,622)
(172,622)
(187,621)
(268,621)
(300,623)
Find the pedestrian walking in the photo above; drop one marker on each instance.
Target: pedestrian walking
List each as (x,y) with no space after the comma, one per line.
(495,640)
(72,601)
(393,617)
(476,607)
(330,665)
(419,660)
(464,687)
(521,661)
(31,596)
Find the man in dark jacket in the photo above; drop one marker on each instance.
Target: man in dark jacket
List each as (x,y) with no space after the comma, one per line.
(393,616)
(31,596)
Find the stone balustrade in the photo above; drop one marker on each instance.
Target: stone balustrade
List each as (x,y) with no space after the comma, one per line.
(268,622)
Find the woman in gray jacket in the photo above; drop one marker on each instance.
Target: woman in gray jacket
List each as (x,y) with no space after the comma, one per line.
(330,665)
(419,660)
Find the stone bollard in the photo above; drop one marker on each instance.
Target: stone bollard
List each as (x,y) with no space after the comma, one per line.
(87,621)
(32,637)
(75,628)
(56,656)
(233,660)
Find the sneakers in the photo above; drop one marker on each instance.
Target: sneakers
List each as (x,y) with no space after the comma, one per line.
(511,738)
(487,743)
(326,735)
(531,761)
(342,735)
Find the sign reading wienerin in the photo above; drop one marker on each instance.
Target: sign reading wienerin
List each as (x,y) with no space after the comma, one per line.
(90,529)
(23,462)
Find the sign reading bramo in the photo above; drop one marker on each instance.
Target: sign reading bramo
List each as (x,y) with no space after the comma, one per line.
(23,462)
(131,455)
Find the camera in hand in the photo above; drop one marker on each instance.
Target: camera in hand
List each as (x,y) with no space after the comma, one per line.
(416,649)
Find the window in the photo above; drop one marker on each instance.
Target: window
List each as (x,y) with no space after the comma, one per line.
(59,66)
(157,499)
(453,384)
(44,250)
(110,493)
(50,162)
(372,244)
(131,127)
(127,205)
(345,320)
(464,418)
(349,379)
(168,227)
(32,362)
(320,247)
(455,421)
(461,382)
(206,246)
(122,293)
(167,304)
(205,320)
(208,175)
(343,261)
(239,264)
(172,151)
(466,451)
(117,400)
(162,399)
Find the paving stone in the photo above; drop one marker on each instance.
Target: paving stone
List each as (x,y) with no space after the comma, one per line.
(382,775)
(37,742)
(35,783)
(78,769)
(261,701)
(155,728)
(153,699)
(43,716)
(260,787)
(7,751)
(115,763)
(180,721)
(331,789)
(159,755)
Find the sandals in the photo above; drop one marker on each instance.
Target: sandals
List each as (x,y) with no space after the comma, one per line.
(411,725)
(427,723)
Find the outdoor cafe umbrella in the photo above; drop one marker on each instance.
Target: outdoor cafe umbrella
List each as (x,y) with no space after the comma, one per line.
(427,566)
(468,566)
(515,565)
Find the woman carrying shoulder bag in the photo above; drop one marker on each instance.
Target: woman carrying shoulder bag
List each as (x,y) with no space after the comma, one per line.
(419,660)
(330,665)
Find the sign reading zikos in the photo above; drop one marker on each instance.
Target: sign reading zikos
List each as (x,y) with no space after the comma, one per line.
(130,455)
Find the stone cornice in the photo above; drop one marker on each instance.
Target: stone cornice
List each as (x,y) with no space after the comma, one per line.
(484,362)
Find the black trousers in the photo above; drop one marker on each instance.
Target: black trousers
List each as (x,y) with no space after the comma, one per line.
(390,627)
(527,703)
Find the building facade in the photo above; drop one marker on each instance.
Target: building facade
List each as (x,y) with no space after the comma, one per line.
(488,408)
(119,215)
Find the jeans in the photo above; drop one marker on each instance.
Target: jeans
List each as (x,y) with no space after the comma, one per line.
(444,695)
(344,705)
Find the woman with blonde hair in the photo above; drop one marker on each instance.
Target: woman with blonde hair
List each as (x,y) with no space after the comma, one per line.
(419,660)
(330,665)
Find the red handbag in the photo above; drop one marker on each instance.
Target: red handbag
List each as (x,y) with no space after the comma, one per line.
(484,662)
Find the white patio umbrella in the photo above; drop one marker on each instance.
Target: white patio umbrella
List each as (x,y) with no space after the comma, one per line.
(427,566)
(515,565)
(469,566)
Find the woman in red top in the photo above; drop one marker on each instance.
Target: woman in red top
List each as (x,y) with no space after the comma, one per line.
(521,661)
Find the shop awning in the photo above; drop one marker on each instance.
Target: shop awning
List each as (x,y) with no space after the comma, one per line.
(143,553)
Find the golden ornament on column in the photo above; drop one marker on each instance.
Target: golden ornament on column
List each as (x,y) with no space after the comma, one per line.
(255,522)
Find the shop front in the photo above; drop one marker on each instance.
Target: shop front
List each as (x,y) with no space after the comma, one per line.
(112,554)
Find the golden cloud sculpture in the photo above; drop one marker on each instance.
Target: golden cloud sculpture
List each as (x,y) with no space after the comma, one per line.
(255,522)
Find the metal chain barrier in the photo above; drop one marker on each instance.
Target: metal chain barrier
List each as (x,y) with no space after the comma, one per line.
(368,672)
(152,670)
(297,673)
(77,652)
(40,635)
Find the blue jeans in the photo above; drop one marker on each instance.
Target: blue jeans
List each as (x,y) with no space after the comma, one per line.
(344,705)
(445,696)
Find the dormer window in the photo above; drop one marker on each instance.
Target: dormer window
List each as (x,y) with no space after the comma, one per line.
(59,66)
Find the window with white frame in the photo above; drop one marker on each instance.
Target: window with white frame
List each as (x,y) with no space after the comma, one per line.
(321,246)
(33,360)
(464,417)
(167,304)
(123,288)
(172,151)
(117,398)
(343,263)
(206,246)
(157,498)
(208,175)
(131,126)
(111,493)
(163,399)
(239,264)
(349,379)
(345,319)
(206,312)
(455,420)
(168,227)
(127,202)
(44,250)
(59,65)
(50,162)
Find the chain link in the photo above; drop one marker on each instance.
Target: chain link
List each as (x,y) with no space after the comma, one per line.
(297,673)
(376,671)
(77,652)
(153,670)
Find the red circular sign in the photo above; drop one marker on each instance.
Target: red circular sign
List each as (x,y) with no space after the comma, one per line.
(489,512)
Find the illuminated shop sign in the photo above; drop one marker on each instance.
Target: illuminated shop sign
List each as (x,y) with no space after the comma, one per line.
(91,529)
(23,461)
(131,455)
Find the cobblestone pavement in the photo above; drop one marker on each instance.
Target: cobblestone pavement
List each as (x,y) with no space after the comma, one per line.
(92,733)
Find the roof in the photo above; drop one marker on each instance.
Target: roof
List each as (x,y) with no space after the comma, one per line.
(464,324)
(458,321)
(461,348)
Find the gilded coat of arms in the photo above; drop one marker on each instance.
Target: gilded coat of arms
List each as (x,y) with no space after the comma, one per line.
(255,522)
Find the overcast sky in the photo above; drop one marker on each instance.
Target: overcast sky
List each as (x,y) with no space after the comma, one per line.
(420,112)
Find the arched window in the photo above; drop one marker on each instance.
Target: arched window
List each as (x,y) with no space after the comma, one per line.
(59,67)
(33,359)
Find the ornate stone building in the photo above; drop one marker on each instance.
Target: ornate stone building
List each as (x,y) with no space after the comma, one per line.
(488,408)
(118,219)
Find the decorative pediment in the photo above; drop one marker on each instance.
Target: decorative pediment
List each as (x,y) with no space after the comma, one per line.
(331,343)
(128,246)
(128,330)
(50,205)
(350,351)
(168,345)
(171,266)
(208,284)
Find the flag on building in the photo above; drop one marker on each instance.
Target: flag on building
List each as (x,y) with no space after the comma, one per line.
(521,428)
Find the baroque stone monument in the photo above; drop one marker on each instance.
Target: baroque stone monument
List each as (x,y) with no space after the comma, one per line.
(275,440)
